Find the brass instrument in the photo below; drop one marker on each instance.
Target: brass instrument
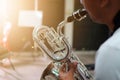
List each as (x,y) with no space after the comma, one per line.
(56,46)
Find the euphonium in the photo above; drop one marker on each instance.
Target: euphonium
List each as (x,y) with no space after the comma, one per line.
(56,46)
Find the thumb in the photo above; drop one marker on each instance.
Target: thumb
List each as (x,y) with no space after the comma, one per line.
(73,67)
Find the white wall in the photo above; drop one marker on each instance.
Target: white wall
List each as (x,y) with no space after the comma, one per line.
(68,30)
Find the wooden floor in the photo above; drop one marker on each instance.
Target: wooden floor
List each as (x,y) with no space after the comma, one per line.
(30,65)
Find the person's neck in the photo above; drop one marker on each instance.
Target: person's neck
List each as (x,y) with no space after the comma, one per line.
(111,27)
(115,23)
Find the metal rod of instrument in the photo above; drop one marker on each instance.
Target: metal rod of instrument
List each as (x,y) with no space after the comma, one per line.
(77,15)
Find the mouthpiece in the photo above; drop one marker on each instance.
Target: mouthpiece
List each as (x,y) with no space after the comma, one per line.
(77,15)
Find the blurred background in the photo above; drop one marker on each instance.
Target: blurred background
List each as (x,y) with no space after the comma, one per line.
(84,35)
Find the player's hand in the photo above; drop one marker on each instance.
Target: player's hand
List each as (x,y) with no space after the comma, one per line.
(69,75)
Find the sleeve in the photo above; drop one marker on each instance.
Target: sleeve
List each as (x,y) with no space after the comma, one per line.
(107,65)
